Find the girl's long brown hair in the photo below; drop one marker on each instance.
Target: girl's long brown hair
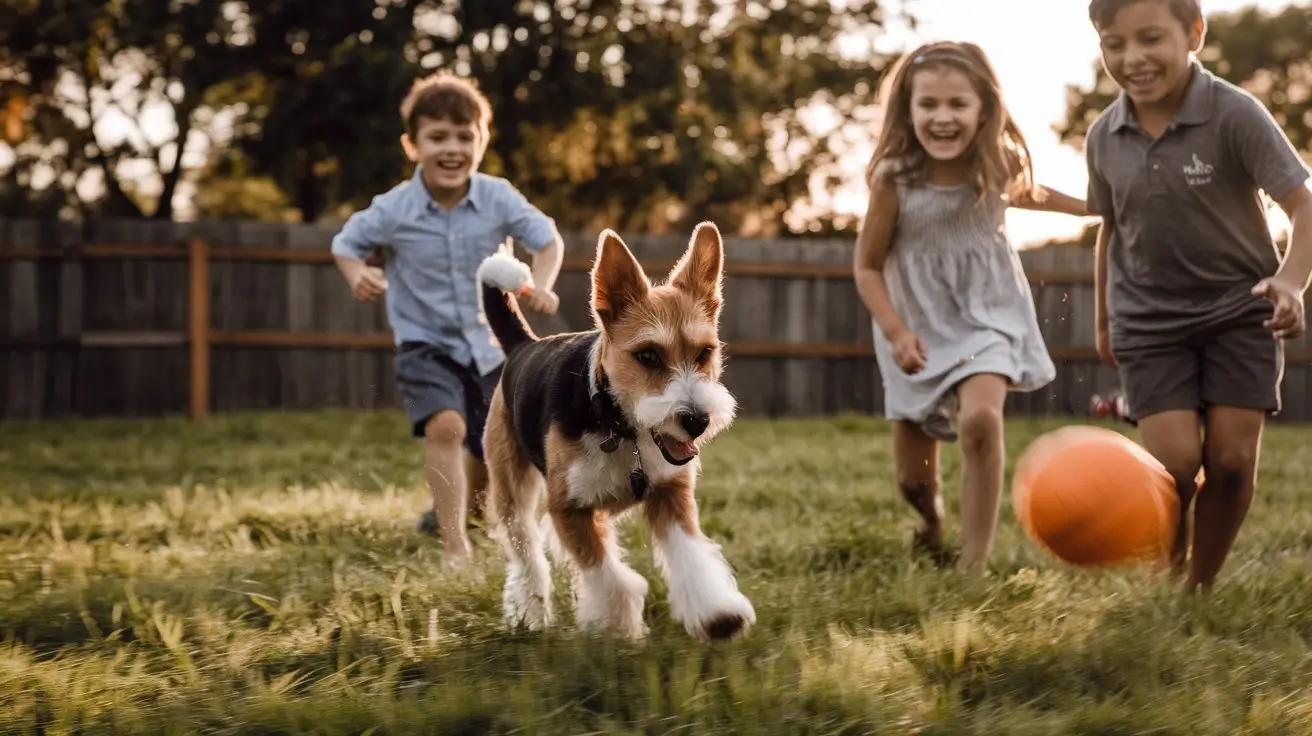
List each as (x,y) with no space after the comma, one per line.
(998,160)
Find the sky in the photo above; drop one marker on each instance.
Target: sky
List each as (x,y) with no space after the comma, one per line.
(1037,47)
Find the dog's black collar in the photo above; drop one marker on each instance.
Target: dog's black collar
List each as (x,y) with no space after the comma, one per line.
(609,417)
(611,422)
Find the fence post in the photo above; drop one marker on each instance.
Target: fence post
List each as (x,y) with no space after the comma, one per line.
(198,326)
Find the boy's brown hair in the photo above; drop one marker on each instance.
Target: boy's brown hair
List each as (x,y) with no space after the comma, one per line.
(446,95)
(1103,12)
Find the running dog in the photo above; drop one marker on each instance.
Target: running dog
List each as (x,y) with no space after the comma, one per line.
(605,421)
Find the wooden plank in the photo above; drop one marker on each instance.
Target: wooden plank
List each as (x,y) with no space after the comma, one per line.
(131,382)
(300,290)
(198,330)
(97,339)
(302,340)
(132,338)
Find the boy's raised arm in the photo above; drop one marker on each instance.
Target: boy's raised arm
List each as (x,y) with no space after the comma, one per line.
(527,224)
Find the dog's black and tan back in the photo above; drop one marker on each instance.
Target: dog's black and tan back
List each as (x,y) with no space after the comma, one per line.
(609,420)
(545,385)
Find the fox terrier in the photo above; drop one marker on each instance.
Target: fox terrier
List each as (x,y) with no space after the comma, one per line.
(601,422)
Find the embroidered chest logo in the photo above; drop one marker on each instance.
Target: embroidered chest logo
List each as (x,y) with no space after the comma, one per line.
(1198,173)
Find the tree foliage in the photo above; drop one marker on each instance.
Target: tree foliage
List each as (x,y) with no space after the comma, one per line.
(606,112)
(630,113)
(109,88)
(1268,54)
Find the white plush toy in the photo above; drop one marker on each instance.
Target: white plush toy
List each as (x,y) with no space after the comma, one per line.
(506,272)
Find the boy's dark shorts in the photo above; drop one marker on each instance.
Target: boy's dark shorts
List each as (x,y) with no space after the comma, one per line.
(1238,364)
(431,382)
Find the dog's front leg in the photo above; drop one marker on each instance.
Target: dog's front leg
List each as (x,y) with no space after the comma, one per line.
(704,594)
(610,594)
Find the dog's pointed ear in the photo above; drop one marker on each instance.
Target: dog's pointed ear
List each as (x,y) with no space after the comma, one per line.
(700,271)
(618,281)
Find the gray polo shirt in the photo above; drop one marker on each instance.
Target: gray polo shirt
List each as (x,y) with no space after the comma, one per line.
(1191,237)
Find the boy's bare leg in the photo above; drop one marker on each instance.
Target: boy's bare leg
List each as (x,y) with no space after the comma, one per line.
(1173,438)
(1230,458)
(476,479)
(444,440)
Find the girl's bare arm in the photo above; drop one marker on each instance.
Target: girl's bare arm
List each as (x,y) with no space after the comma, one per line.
(868,258)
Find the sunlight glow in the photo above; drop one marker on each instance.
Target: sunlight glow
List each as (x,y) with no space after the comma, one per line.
(1035,59)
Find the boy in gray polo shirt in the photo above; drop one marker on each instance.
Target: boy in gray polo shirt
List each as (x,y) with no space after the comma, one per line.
(1193,299)
(435,229)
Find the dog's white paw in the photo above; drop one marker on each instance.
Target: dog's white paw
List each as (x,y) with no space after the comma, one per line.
(704,595)
(524,604)
(611,598)
(721,620)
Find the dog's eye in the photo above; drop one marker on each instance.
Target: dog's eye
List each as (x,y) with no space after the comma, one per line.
(648,358)
(704,356)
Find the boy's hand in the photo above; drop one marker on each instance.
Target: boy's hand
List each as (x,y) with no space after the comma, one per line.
(543,300)
(909,352)
(1288,321)
(369,284)
(1103,341)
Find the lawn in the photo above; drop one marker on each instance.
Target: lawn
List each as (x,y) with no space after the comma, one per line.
(260,574)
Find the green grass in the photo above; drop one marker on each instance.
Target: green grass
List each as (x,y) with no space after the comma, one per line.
(259,574)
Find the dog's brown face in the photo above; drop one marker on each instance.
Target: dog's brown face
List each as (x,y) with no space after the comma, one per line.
(660,344)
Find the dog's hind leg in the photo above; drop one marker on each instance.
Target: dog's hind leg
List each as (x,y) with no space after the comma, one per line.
(515,495)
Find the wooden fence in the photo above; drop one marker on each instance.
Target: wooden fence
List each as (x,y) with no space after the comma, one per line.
(139,318)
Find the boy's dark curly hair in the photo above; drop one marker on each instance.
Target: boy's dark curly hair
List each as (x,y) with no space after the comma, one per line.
(1103,12)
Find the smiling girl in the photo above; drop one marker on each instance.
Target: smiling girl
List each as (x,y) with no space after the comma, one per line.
(955,326)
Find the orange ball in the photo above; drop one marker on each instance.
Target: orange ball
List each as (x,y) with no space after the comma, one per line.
(1094,498)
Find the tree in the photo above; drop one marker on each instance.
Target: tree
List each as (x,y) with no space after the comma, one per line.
(637,115)
(98,71)
(651,116)
(317,105)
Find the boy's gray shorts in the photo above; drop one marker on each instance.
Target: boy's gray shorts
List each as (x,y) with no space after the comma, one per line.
(431,382)
(1239,364)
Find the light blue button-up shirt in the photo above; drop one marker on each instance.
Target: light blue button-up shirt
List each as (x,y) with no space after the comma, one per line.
(432,255)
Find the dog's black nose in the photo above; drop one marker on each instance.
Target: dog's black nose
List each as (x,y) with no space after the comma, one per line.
(694,422)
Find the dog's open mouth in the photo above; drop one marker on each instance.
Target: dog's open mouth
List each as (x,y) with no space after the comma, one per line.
(675,452)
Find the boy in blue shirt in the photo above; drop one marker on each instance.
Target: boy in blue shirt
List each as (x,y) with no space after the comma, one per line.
(435,229)
(1193,300)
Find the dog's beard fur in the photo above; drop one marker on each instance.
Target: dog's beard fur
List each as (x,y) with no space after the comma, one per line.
(660,347)
(688,391)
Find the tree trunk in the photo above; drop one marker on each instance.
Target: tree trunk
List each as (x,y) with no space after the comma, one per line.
(164,209)
(309,192)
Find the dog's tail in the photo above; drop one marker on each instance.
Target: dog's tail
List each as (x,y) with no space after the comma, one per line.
(500,276)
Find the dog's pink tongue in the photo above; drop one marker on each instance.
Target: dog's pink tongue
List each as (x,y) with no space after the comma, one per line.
(680,450)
